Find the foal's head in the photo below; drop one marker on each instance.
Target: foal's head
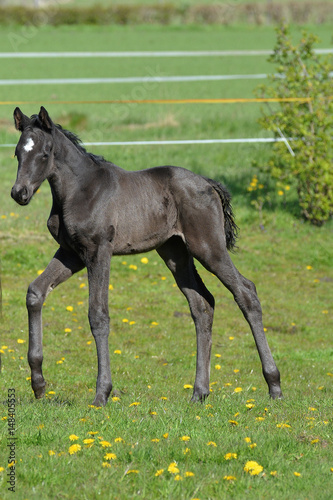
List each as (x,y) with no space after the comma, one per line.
(34,152)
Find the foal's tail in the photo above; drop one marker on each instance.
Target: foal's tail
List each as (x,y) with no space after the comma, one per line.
(230,226)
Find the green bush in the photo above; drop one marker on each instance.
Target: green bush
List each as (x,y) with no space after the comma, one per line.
(304,119)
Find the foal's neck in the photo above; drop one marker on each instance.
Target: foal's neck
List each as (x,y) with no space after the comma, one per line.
(72,168)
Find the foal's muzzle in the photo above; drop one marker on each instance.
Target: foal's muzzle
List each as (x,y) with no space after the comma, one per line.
(21,195)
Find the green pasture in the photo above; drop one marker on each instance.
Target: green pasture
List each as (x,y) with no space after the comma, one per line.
(149,441)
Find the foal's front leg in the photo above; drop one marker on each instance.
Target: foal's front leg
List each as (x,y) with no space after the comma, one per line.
(98,275)
(62,266)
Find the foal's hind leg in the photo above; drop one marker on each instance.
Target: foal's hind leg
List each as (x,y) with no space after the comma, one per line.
(201,303)
(218,261)
(62,266)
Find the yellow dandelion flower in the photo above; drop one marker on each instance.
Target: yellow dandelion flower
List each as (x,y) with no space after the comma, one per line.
(2,469)
(106,464)
(231,338)
(217,355)
(115,399)
(74,449)
(144,260)
(253,445)
(83,285)
(247,440)
(20,341)
(67,330)
(230,456)
(233,422)
(88,441)
(51,453)
(173,469)
(178,478)
(163,278)
(105,444)
(73,437)
(229,478)
(110,287)
(40,271)
(133,266)
(238,389)
(133,471)
(280,192)
(211,443)
(217,367)
(297,474)
(273,473)
(312,409)
(163,398)
(70,308)
(236,370)
(249,406)
(314,441)
(110,456)
(136,403)
(253,468)
(188,386)
(186,451)
(155,440)
(93,433)
(197,418)
(309,268)
(154,323)
(159,472)
(119,440)
(185,438)
(189,474)
(117,351)
(132,323)
(260,419)
(166,435)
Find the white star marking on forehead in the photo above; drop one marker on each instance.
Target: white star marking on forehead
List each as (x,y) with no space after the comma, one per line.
(29,145)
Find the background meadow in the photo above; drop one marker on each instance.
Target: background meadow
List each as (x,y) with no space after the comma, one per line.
(149,441)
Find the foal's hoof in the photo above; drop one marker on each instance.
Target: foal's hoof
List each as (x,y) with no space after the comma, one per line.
(100,400)
(199,397)
(276,393)
(40,392)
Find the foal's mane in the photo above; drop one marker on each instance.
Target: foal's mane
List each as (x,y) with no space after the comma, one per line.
(75,140)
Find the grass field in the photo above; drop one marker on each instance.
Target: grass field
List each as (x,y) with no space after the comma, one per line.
(130,447)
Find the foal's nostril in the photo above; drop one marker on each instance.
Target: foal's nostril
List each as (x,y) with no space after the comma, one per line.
(24,194)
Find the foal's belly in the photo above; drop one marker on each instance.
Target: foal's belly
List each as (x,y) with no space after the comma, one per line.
(140,229)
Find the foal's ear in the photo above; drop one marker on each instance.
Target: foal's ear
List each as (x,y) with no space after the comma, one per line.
(20,120)
(45,119)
